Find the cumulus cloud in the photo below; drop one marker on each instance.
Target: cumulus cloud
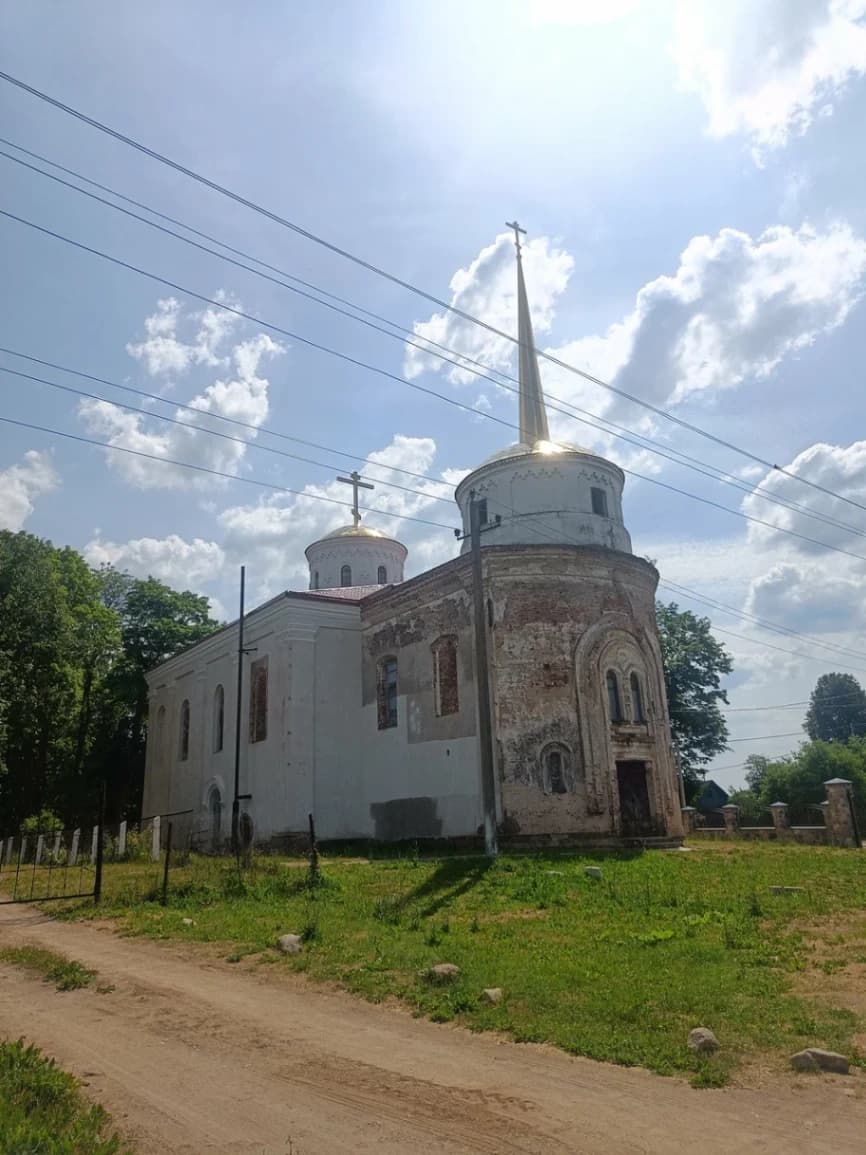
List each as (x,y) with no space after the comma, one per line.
(21,484)
(768,70)
(487,289)
(163,352)
(241,395)
(173,560)
(810,598)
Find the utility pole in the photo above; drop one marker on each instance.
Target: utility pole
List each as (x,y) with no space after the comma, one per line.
(482,676)
(236,803)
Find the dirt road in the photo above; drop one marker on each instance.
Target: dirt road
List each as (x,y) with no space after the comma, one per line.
(192,1055)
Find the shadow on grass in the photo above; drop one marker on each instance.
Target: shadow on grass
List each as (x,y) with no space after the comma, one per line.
(451,879)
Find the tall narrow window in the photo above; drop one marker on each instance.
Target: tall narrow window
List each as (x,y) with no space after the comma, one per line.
(315,579)
(599,502)
(386,693)
(184,730)
(637,714)
(219,713)
(445,692)
(555,774)
(346,575)
(259,700)
(482,511)
(613,701)
(382,576)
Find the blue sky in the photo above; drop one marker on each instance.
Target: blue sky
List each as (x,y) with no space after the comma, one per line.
(691,178)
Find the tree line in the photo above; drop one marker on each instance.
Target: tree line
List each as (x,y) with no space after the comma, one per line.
(76,643)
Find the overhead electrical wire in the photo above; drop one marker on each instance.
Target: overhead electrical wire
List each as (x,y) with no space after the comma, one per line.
(409,286)
(429,348)
(216,303)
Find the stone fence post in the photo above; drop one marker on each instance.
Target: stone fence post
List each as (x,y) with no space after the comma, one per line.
(40,846)
(781,821)
(155,841)
(689,814)
(73,853)
(839,814)
(121,841)
(731,813)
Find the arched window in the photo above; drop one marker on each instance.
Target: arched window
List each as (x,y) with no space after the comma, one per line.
(637,714)
(556,769)
(446,695)
(614,705)
(259,700)
(346,575)
(219,713)
(386,693)
(382,576)
(184,730)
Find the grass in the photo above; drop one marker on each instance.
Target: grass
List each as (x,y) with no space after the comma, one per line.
(42,1111)
(65,973)
(619,969)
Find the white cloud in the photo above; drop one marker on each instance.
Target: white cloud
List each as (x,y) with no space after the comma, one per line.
(768,69)
(487,289)
(21,484)
(733,310)
(173,560)
(163,351)
(241,396)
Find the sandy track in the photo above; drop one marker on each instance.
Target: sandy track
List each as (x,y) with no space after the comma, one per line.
(192,1055)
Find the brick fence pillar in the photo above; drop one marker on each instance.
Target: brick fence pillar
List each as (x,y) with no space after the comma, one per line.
(689,814)
(839,814)
(781,821)
(731,814)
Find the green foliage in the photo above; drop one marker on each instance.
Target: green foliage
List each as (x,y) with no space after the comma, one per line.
(42,1112)
(619,970)
(837,709)
(756,769)
(694,664)
(799,780)
(74,647)
(65,973)
(42,823)
(752,811)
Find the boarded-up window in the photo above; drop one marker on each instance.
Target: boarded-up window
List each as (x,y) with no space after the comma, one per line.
(614,706)
(445,692)
(259,700)
(637,714)
(599,502)
(386,693)
(346,576)
(184,730)
(219,713)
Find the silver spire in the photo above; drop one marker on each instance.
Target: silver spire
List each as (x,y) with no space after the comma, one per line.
(533,418)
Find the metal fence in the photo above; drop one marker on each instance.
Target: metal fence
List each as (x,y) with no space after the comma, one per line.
(37,866)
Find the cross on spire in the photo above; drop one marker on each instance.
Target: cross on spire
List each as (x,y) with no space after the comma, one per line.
(354,479)
(517,231)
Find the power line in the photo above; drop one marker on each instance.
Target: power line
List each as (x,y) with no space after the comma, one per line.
(766,737)
(370,267)
(832,700)
(219,473)
(215,432)
(771,626)
(405,336)
(395,377)
(782,650)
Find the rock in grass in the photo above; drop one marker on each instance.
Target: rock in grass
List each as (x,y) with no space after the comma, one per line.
(442,973)
(492,995)
(787,889)
(290,943)
(554,873)
(593,872)
(814,1059)
(187,922)
(702,1040)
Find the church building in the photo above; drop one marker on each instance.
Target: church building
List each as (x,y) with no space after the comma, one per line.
(360,697)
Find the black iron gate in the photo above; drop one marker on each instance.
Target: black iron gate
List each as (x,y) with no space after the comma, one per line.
(47,865)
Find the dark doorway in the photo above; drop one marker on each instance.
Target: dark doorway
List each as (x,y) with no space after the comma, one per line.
(634,806)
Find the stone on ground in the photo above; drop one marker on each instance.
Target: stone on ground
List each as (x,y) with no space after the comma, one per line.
(188,921)
(815,1059)
(443,973)
(492,995)
(557,873)
(702,1040)
(592,872)
(787,889)
(290,943)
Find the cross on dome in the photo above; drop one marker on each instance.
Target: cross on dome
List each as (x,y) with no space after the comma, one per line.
(354,479)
